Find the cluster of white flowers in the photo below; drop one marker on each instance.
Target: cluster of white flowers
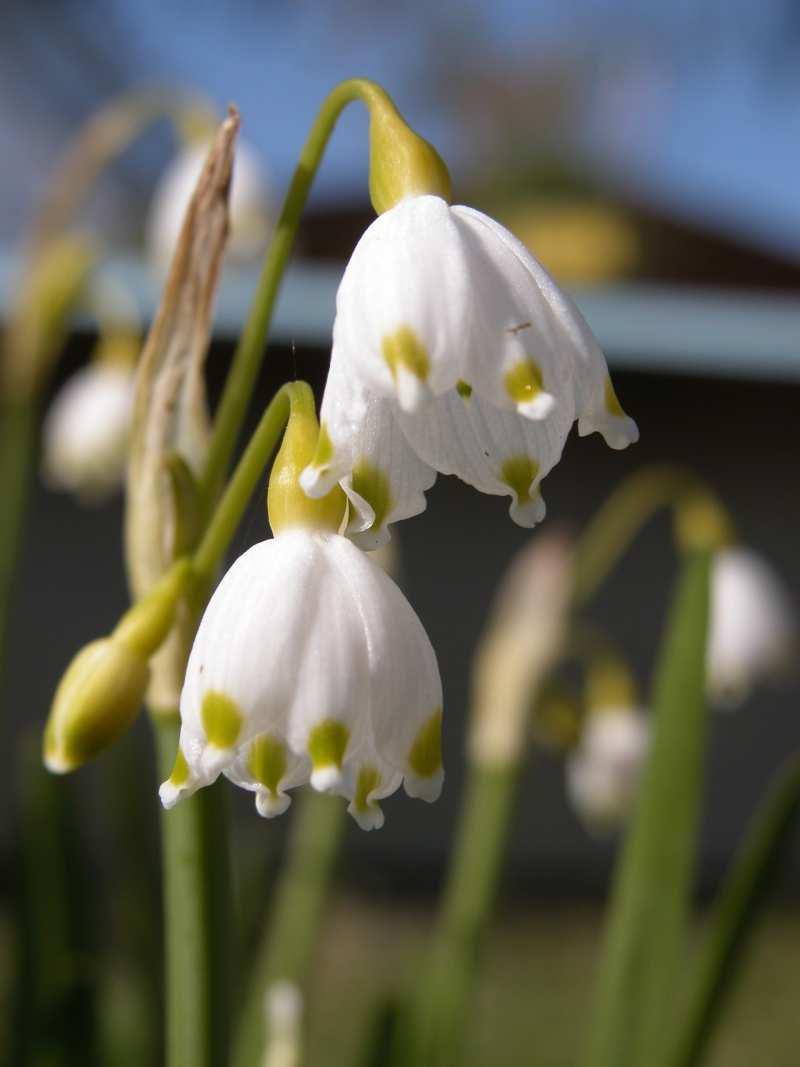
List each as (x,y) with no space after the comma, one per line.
(455,352)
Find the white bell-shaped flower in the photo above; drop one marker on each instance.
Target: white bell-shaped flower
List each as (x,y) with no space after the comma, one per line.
(86,431)
(309,665)
(250,212)
(753,627)
(603,771)
(454,347)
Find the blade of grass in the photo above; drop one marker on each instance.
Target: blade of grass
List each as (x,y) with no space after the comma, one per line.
(733,917)
(646,934)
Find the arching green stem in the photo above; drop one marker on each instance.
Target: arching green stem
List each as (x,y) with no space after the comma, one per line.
(250,350)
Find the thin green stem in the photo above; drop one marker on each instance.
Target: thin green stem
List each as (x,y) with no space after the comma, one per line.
(287,947)
(441,998)
(249,470)
(17,448)
(649,914)
(196,880)
(618,521)
(250,350)
(732,919)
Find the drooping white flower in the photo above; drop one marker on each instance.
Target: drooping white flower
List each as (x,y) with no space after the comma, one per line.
(310,665)
(452,346)
(753,627)
(603,771)
(250,215)
(86,431)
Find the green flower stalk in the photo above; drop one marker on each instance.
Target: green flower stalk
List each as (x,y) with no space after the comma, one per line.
(523,642)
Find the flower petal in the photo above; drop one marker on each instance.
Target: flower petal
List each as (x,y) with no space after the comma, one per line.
(404,308)
(496,451)
(365,450)
(551,332)
(405,685)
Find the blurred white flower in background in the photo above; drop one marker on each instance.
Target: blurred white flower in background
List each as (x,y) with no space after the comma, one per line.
(283,1010)
(453,351)
(250,210)
(310,665)
(604,770)
(86,430)
(753,630)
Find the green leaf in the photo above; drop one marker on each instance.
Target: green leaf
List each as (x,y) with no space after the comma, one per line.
(647,926)
(733,917)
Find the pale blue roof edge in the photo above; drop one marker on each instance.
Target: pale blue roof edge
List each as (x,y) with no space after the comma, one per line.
(729,333)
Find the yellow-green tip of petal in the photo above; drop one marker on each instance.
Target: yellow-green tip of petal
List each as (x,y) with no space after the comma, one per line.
(425,757)
(221,718)
(403,349)
(267,762)
(372,485)
(327,744)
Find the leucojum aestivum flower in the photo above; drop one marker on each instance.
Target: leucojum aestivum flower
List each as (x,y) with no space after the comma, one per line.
(453,352)
(309,665)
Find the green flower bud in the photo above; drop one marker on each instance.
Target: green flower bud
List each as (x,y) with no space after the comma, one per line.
(103,688)
(96,701)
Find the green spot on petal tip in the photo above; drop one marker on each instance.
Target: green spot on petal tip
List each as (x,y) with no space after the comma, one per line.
(523,382)
(373,485)
(327,744)
(368,780)
(425,757)
(519,474)
(267,762)
(404,349)
(222,720)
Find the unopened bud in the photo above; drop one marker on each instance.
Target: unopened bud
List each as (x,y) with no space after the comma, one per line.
(102,690)
(96,701)
(523,642)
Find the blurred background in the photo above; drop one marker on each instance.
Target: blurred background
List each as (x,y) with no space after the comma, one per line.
(648,154)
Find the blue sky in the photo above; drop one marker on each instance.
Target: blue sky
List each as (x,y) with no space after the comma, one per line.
(693,106)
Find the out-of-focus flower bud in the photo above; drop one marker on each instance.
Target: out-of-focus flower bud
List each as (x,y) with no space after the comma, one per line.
(753,628)
(603,772)
(86,431)
(283,1006)
(250,213)
(523,642)
(102,690)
